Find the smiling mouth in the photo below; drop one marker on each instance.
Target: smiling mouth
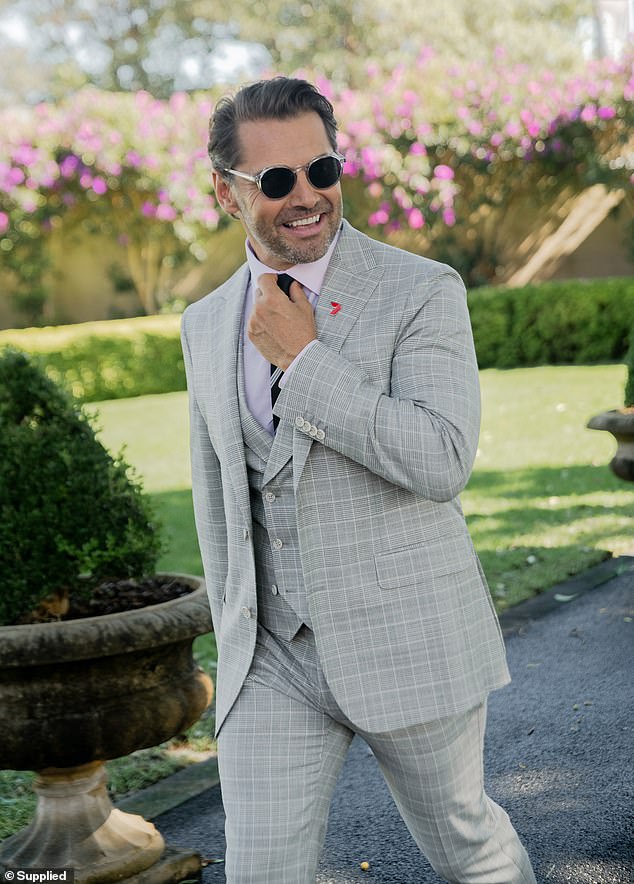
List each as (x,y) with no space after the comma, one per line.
(303,222)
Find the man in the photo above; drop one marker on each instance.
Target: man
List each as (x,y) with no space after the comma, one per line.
(345,592)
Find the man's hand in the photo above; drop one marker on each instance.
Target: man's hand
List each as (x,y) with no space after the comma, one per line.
(280,326)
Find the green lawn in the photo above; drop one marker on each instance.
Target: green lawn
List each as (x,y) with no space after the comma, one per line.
(541,505)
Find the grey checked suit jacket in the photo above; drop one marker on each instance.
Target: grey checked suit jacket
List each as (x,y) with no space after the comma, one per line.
(381,417)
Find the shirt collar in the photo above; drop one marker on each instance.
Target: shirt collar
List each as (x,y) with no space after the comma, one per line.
(310,275)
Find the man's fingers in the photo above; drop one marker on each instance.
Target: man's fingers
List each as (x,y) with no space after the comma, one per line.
(296,293)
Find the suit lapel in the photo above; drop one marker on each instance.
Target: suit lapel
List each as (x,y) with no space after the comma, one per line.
(281,451)
(350,281)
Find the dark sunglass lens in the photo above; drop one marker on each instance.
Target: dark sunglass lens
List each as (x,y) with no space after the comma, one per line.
(324,172)
(277,183)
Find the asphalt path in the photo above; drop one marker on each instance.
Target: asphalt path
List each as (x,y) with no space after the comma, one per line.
(558,758)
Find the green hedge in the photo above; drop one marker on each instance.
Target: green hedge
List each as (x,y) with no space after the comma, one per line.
(551,323)
(629,383)
(108,360)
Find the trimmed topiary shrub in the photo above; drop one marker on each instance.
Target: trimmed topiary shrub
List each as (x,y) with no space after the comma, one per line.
(552,323)
(71,515)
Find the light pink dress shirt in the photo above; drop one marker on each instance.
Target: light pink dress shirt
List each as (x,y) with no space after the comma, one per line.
(257,371)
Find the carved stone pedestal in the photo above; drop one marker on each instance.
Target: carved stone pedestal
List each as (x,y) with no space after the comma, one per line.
(621,424)
(79,692)
(75,826)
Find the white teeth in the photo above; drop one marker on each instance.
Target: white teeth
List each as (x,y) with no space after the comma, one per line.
(303,222)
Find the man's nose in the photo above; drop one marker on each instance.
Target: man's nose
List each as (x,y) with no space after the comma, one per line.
(303,194)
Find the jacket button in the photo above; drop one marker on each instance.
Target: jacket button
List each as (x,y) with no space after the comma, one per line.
(274,589)
(269,497)
(277,543)
(245,533)
(320,436)
(247,613)
(299,422)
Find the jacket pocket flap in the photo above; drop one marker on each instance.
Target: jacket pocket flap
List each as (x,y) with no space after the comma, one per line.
(424,561)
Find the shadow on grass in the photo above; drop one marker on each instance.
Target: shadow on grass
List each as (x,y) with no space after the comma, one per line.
(545,499)
(546,481)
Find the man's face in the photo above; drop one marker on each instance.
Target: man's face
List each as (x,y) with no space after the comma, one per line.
(271,225)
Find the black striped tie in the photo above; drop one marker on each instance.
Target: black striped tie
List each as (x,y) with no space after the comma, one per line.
(284,281)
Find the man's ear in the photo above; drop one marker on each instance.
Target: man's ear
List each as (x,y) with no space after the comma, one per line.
(224,194)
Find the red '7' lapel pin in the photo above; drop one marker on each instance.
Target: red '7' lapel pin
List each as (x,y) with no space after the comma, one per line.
(335,308)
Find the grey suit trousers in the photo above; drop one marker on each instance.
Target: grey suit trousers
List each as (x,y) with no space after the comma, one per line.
(282,747)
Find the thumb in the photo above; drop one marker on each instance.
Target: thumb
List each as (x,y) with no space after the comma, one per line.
(296,293)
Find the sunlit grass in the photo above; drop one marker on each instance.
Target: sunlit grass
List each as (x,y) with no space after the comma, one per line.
(542,504)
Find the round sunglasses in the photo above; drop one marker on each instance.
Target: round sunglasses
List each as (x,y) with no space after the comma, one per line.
(276,182)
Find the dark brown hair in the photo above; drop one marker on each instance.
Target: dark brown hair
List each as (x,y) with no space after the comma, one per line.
(280,98)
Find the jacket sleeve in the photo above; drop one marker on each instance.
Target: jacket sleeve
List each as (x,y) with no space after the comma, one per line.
(422,433)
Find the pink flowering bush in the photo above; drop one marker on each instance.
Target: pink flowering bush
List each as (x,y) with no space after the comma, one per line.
(430,151)
(438,151)
(121,164)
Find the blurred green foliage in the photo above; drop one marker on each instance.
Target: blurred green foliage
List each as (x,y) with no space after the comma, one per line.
(108,360)
(569,322)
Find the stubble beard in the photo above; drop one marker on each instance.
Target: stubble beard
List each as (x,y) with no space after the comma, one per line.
(303,252)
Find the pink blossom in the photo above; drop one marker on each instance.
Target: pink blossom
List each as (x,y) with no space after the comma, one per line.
(381,216)
(325,87)
(165,212)
(25,155)
(445,173)
(148,209)
(69,165)
(15,176)
(99,185)
(415,219)
(606,113)
(449,217)
(211,217)
(4,222)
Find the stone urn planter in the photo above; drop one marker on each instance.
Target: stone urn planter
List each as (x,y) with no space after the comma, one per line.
(619,422)
(76,693)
